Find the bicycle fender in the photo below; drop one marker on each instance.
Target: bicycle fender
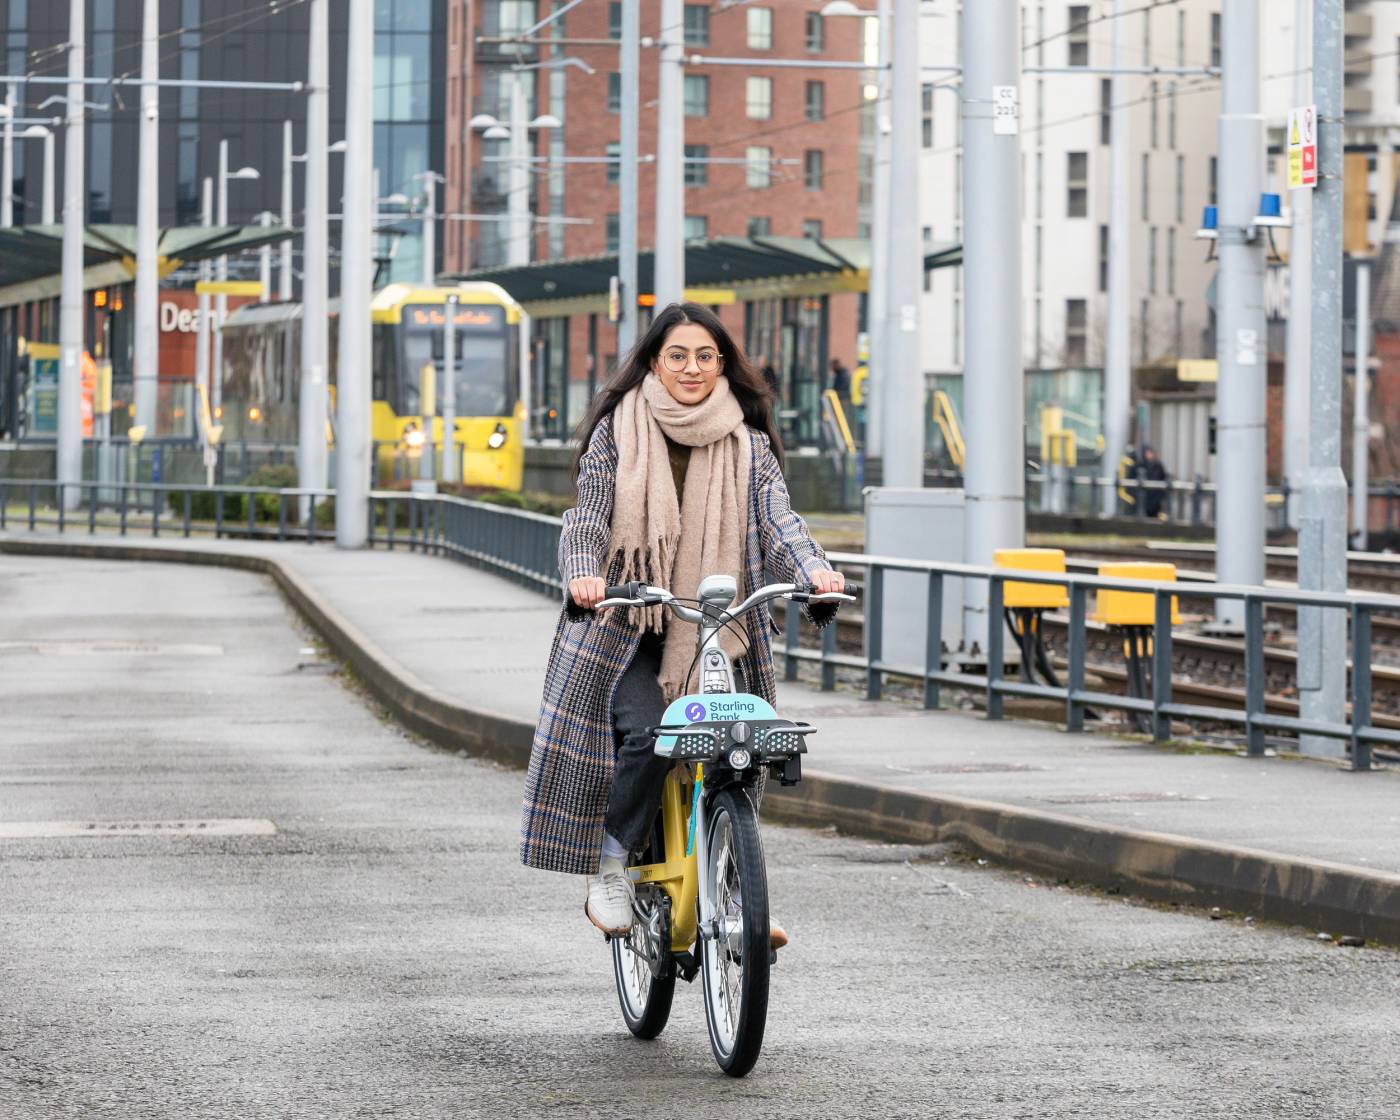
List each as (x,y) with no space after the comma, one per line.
(716,706)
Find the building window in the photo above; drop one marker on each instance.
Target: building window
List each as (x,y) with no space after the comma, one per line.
(697,95)
(760,28)
(614,92)
(1181,38)
(812,227)
(926,107)
(697,171)
(1077,35)
(614,164)
(1176,328)
(758,167)
(1212,180)
(1171,261)
(697,227)
(760,227)
(1146,186)
(1152,260)
(1215,38)
(1171,117)
(1077,183)
(613,233)
(614,20)
(1147,38)
(816,101)
(1152,100)
(1103,258)
(1144,310)
(1105,110)
(1076,332)
(1180,188)
(758,98)
(816,33)
(697,25)
(813,166)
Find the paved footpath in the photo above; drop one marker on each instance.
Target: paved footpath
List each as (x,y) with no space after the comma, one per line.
(364,943)
(480,642)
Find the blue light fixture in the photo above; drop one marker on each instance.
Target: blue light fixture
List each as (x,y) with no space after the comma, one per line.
(1210,224)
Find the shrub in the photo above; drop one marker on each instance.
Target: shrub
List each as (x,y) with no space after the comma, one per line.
(280,476)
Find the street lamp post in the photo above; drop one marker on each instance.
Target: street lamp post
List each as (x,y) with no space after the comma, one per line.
(284,255)
(315,270)
(7,159)
(201,355)
(221,300)
(449,391)
(39,132)
(430,180)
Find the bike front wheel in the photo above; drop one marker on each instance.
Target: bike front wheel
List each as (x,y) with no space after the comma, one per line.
(735,951)
(646,978)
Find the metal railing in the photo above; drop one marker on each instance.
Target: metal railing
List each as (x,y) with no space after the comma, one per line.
(1160,707)
(524,546)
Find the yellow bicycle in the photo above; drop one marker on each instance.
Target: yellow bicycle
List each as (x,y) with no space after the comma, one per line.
(701,885)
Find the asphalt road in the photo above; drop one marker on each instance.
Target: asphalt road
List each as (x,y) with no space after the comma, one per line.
(381,953)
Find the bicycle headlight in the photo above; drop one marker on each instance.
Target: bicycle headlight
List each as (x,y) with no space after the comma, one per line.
(739,759)
(497,439)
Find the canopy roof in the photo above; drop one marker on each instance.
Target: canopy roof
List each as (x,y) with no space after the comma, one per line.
(31,257)
(749,267)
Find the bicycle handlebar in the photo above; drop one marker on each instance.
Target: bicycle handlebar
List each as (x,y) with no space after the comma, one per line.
(637,594)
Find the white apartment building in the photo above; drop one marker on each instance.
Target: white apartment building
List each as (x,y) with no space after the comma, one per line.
(1065,137)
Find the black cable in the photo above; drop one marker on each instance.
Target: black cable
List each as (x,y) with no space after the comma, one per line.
(729,622)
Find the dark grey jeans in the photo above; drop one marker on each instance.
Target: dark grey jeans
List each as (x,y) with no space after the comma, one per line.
(638,775)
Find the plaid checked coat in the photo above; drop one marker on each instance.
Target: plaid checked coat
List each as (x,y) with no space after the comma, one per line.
(571,763)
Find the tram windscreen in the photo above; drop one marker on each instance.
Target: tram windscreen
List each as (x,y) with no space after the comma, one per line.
(484,376)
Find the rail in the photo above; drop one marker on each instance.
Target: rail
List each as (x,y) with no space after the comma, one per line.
(524,547)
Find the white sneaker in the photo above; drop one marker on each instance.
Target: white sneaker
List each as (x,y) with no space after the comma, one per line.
(610,892)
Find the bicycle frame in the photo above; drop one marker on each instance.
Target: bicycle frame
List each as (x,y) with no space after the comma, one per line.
(678,875)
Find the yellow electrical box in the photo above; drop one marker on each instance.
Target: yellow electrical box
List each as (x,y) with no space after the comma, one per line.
(1033,596)
(1131,608)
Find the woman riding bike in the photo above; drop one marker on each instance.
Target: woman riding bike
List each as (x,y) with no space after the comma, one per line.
(679,476)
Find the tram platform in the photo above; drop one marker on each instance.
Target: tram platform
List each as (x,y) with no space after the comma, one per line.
(458,656)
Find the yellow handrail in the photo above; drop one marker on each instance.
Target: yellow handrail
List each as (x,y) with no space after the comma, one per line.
(947,420)
(834,403)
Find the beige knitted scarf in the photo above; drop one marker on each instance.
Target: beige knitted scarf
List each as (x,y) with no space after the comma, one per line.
(675,543)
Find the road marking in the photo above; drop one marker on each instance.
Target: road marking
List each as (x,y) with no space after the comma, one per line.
(229,826)
(81,648)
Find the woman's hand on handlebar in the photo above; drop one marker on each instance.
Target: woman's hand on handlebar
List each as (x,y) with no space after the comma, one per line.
(588,591)
(824,583)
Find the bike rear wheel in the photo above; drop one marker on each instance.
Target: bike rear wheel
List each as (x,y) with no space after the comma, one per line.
(646,978)
(735,951)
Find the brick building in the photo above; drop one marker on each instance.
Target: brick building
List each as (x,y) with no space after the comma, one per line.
(771,152)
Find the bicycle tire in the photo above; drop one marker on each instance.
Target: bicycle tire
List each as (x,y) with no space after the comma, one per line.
(646,1004)
(735,967)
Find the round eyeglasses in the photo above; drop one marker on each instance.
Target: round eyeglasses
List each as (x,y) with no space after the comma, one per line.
(706,361)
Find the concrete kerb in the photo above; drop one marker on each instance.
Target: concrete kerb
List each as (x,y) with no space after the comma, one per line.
(1315,893)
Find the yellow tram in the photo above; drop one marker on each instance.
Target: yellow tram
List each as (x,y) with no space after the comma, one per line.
(261,376)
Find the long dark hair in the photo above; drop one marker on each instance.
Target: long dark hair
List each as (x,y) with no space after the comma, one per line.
(747,384)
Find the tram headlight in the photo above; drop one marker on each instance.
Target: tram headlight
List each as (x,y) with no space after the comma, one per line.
(497,439)
(413,437)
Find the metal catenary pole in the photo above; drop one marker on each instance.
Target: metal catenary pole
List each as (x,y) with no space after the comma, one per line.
(876,303)
(70,313)
(201,354)
(356,280)
(1297,344)
(518,175)
(449,391)
(1322,530)
(7,160)
(1117,368)
(1241,344)
(629,63)
(1361,411)
(46,207)
(220,271)
(668,283)
(994,384)
(904,382)
(315,325)
(145,365)
(284,263)
(430,181)
(265,219)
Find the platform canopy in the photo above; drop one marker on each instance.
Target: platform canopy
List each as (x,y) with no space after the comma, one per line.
(31,257)
(717,270)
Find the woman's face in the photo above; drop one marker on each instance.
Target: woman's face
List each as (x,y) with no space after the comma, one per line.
(689,364)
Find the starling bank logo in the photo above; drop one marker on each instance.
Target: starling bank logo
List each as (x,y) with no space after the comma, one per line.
(695,711)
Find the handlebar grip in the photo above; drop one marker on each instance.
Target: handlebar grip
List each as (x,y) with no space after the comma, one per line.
(630,590)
